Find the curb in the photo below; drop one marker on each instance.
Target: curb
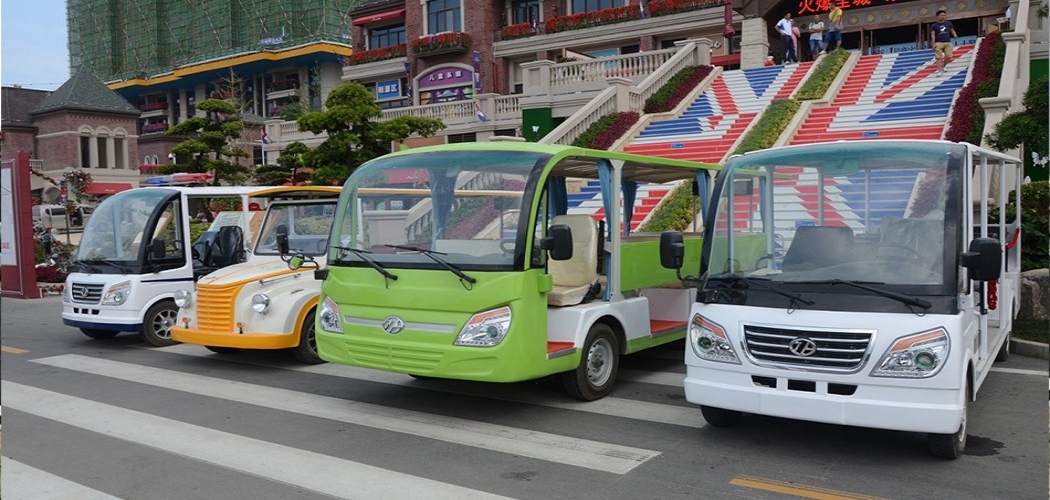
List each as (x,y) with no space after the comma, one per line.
(1030,349)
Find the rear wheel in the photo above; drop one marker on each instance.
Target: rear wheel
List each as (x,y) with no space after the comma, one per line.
(156,326)
(99,334)
(594,378)
(951,446)
(306,351)
(1004,351)
(720,417)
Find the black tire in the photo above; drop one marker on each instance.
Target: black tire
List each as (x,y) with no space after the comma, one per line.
(99,334)
(306,351)
(1004,350)
(599,363)
(951,446)
(156,326)
(720,417)
(222,350)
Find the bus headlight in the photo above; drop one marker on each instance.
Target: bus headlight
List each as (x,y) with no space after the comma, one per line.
(117,294)
(919,355)
(485,329)
(260,303)
(710,342)
(328,317)
(183,298)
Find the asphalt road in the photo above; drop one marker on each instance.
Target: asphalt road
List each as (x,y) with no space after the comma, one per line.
(116,419)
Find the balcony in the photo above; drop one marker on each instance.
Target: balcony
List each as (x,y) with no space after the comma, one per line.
(441,43)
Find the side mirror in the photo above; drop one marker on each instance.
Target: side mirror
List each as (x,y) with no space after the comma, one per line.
(296,261)
(672,250)
(282,239)
(984,259)
(558,242)
(157,249)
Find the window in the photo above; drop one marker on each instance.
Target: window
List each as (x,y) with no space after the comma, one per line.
(524,11)
(458,138)
(389,93)
(579,6)
(386,36)
(443,15)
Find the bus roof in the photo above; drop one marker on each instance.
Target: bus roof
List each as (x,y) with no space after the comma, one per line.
(205,190)
(636,167)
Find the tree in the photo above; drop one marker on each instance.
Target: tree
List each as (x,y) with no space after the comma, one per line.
(289,168)
(1028,127)
(211,143)
(354,135)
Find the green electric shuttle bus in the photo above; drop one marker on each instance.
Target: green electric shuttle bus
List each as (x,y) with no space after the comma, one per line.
(494,262)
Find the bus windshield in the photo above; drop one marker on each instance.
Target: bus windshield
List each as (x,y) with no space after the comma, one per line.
(874,211)
(115,230)
(463,204)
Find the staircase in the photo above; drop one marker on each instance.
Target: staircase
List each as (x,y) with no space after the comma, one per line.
(890,96)
(712,125)
(587,201)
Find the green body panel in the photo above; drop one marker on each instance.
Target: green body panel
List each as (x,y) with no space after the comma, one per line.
(640,260)
(437,298)
(643,343)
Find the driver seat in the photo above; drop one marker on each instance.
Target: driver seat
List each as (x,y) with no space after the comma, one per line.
(574,278)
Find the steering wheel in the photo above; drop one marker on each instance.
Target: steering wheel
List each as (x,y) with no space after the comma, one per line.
(507,246)
(893,251)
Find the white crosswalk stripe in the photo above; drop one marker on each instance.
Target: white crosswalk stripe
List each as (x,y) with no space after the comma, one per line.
(618,407)
(313,471)
(544,446)
(29,483)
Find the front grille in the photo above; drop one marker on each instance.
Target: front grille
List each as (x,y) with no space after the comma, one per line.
(388,357)
(835,351)
(215,307)
(84,293)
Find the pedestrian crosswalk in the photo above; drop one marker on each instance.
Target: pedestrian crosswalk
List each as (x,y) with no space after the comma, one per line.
(316,472)
(195,424)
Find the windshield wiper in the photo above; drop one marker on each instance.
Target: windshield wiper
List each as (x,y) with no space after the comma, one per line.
(368,260)
(434,256)
(906,299)
(759,282)
(92,264)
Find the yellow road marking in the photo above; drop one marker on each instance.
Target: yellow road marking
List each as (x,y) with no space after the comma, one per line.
(786,488)
(12,350)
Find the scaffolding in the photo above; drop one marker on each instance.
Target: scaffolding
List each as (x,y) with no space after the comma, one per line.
(125,39)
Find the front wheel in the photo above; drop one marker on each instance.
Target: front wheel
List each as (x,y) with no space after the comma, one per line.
(720,417)
(306,351)
(951,446)
(156,326)
(594,378)
(99,334)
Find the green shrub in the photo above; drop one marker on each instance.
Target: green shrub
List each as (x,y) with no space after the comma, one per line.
(772,123)
(820,81)
(676,212)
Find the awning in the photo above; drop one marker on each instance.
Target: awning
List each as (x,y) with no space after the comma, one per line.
(104,188)
(382,16)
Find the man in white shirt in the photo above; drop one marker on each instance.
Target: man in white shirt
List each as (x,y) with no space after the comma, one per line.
(786,40)
(816,37)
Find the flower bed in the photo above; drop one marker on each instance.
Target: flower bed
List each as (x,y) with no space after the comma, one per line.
(441,42)
(679,86)
(378,54)
(520,30)
(967,120)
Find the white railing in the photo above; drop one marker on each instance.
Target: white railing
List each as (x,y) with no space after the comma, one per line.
(36,165)
(620,96)
(547,83)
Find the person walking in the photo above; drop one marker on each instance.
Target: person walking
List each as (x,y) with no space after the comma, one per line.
(816,37)
(941,33)
(787,41)
(834,30)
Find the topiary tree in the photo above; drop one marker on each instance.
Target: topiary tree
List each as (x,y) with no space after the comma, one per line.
(289,168)
(1028,128)
(211,143)
(354,134)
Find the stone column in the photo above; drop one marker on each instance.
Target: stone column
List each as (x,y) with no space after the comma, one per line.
(111,158)
(93,151)
(754,43)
